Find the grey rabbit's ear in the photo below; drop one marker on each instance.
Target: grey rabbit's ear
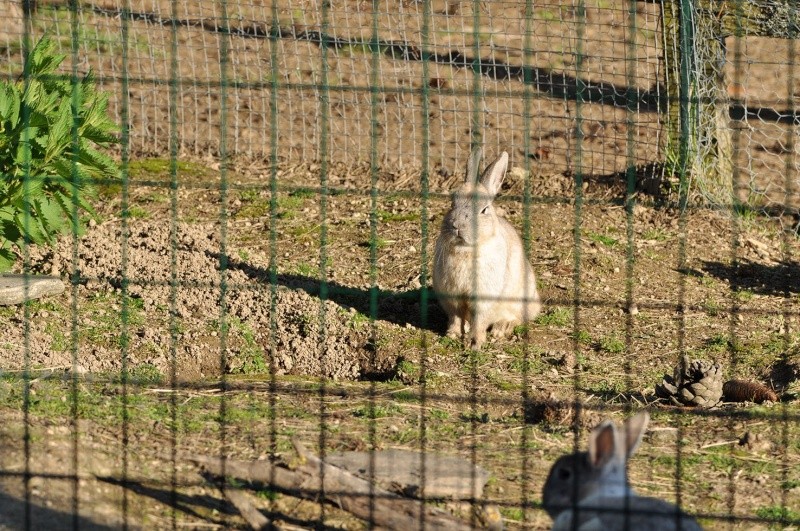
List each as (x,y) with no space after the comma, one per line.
(473,165)
(493,175)
(602,444)
(634,431)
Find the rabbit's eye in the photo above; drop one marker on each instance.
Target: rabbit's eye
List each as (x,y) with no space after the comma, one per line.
(564,474)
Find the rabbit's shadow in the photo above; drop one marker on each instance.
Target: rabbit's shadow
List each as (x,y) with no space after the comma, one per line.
(414,307)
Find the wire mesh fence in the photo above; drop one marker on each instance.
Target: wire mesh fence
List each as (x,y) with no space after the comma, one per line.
(249,336)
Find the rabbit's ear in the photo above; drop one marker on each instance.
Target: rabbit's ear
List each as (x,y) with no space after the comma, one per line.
(634,431)
(493,175)
(602,444)
(473,165)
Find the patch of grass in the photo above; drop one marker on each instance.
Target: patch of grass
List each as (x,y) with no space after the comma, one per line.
(390,217)
(156,197)
(655,234)
(37,305)
(706,281)
(405,396)
(711,307)
(515,514)
(109,190)
(521,331)
(407,370)
(59,341)
(450,343)
(243,255)
(473,359)
(306,270)
(305,233)
(547,15)
(717,343)
(778,514)
(689,464)
(522,364)
(248,195)
(758,355)
(146,373)
(303,193)
(377,411)
(137,212)
(745,212)
(355,319)
(612,343)
(609,387)
(288,206)
(106,322)
(720,459)
(379,242)
(57,23)
(161,167)
(743,295)
(251,358)
(556,316)
(608,241)
(790,484)
(499,381)
(438,414)
(582,336)
(269,495)
(253,206)
(475,416)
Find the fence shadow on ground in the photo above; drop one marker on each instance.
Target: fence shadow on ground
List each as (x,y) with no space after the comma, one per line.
(777,279)
(188,504)
(12,516)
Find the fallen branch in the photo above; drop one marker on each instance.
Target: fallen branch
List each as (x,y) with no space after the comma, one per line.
(243,502)
(315,478)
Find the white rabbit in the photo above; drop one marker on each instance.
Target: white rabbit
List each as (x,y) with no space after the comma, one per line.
(590,491)
(481,275)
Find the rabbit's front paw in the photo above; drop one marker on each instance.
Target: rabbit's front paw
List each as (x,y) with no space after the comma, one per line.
(456,327)
(478,338)
(501,330)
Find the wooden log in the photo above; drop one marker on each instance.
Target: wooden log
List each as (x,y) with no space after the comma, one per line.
(315,479)
(388,510)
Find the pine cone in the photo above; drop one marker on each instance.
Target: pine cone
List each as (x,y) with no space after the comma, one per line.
(698,384)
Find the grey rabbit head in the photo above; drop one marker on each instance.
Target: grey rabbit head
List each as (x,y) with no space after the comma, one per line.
(602,470)
(472,216)
(570,479)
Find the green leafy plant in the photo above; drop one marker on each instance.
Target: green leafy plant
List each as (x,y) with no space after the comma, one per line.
(50,132)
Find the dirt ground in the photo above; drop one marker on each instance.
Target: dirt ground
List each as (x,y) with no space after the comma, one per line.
(236,307)
(733,300)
